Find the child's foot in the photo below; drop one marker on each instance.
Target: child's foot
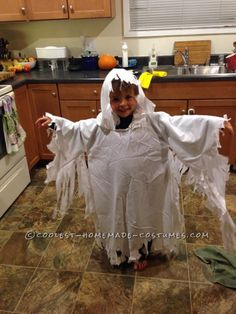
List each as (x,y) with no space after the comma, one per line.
(140,265)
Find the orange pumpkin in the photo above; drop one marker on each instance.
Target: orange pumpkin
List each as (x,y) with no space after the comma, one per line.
(107,62)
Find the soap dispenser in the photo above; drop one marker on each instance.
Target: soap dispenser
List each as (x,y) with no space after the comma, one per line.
(124,55)
(152,64)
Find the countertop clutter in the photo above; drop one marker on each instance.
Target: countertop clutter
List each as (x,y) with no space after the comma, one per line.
(174,74)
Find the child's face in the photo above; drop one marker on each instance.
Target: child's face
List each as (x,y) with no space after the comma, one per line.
(123,102)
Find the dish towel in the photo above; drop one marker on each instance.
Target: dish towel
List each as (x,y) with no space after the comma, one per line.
(220,265)
(13,132)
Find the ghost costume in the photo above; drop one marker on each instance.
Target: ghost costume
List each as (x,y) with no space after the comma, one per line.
(132,176)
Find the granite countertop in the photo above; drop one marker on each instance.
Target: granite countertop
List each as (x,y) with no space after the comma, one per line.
(60,76)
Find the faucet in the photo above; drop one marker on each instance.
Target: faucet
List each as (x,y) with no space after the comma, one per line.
(184,55)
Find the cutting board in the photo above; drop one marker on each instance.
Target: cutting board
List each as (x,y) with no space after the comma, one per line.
(199,51)
(6,75)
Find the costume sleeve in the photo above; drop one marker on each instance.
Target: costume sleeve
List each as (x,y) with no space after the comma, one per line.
(68,144)
(194,140)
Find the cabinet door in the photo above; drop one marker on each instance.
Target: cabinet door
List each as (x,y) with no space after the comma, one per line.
(47,10)
(76,110)
(219,107)
(44,98)
(15,10)
(79,91)
(90,9)
(24,110)
(173,107)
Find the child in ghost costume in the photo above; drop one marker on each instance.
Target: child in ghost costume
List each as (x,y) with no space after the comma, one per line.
(129,162)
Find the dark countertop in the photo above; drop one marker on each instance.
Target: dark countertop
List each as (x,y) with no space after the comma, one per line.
(60,76)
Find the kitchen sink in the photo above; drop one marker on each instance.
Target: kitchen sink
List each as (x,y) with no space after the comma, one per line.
(190,71)
(200,70)
(193,70)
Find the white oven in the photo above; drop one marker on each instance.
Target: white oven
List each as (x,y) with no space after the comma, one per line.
(14,172)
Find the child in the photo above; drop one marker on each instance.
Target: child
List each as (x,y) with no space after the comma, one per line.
(131,174)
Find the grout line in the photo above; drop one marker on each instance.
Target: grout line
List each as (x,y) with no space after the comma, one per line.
(163,279)
(15,309)
(186,250)
(18,266)
(189,281)
(110,274)
(132,303)
(82,277)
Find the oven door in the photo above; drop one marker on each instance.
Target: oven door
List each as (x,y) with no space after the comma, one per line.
(3,150)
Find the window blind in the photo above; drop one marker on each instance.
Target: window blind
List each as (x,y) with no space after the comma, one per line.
(201,16)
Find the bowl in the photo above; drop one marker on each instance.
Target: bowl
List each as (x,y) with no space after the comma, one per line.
(30,64)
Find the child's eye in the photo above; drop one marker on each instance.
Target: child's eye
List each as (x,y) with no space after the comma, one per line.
(116,99)
(128,97)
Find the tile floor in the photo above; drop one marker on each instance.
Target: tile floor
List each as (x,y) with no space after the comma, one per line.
(72,275)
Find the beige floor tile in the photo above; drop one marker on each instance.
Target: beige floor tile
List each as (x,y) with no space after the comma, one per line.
(13,281)
(20,251)
(212,299)
(50,292)
(105,294)
(161,296)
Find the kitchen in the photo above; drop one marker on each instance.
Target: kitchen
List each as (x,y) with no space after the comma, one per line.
(44,266)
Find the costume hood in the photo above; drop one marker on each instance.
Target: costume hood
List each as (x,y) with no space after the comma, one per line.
(107,118)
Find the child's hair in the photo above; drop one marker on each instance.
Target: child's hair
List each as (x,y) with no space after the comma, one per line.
(117,85)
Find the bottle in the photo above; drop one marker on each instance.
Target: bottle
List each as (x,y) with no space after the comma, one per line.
(124,55)
(152,64)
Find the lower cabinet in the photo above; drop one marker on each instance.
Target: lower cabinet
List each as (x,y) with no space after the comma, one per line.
(44,98)
(79,101)
(173,107)
(25,113)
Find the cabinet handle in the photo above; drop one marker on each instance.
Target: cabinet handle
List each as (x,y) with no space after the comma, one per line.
(63,8)
(93,110)
(183,111)
(191,111)
(23,10)
(95,92)
(54,94)
(71,8)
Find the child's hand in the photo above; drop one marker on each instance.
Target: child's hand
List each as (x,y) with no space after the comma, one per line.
(227,127)
(43,122)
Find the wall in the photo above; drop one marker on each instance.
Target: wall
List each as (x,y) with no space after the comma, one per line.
(105,34)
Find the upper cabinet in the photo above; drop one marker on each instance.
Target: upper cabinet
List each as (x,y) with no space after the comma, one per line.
(14,11)
(80,9)
(47,10)
(23,10)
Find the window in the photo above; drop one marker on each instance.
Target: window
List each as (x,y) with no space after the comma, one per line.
(178,17)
